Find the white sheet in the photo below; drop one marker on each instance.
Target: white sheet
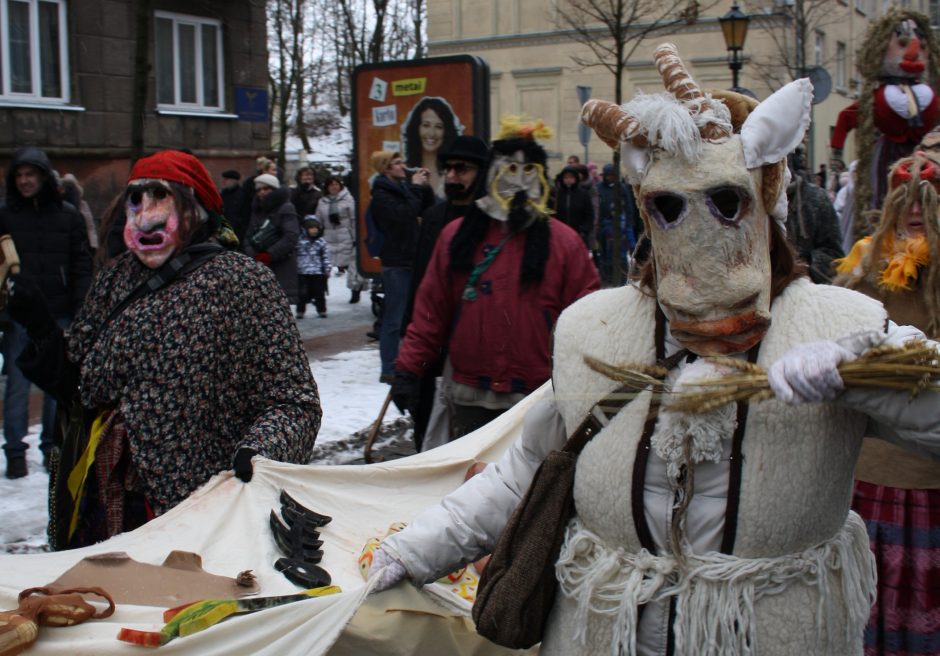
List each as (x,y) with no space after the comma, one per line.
(226,522)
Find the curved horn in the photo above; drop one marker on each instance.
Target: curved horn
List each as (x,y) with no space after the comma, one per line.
(611,124)
(680,84)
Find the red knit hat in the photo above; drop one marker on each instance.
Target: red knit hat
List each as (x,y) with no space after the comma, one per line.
(180,167)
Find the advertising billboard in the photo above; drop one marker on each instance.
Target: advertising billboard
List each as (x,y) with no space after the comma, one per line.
(416,108)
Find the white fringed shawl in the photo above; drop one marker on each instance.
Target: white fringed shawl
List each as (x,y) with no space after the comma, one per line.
(715,593)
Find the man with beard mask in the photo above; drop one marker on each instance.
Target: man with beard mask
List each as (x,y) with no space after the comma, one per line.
(461,164)
(497,280)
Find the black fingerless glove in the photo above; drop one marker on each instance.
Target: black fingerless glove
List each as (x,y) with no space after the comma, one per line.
(243,463)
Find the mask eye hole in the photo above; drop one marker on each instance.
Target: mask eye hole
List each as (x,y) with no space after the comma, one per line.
(159,193)
(667,209)
(528,168)
(512,168)
(726,204)
(134,198)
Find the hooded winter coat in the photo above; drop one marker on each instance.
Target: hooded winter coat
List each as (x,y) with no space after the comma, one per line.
(277,207)
(340,236)
(573,205)
(50,237)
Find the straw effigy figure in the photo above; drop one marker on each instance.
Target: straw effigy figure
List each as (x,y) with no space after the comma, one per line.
(899,60)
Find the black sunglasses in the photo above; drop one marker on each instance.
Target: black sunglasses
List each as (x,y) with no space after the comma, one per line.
(459,167)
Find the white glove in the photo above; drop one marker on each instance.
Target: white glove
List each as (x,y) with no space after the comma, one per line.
(389,569)
(809,373)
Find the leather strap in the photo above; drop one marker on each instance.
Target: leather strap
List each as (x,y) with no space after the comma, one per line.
(602,412)
(178,266)
(736,467)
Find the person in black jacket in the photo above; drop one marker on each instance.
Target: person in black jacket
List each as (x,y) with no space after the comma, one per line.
(572,203)
(812,226)
(52,243)
(461,164)
(396,205)
(262,165)
(231,192)
(306,195)
(272,204)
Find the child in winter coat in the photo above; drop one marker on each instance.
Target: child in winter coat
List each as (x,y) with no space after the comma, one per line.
(313,267)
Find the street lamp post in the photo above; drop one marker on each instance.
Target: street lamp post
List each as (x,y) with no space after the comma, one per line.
(734,28)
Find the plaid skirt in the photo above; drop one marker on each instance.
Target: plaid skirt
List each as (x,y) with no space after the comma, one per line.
(904,530)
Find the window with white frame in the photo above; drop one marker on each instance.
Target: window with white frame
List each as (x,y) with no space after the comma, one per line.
(840,65)
(33,51)
(819,40)
(188,57)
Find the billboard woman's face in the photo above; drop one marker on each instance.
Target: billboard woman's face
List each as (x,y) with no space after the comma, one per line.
(431,130)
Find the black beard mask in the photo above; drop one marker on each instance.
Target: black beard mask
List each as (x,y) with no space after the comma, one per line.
(518,212)
(456,191)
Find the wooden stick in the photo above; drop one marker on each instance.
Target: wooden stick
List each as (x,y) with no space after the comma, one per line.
(375,429)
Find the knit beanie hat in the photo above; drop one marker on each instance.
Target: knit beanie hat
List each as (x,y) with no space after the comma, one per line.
(232,174)
(267,180)
(183,168)
(381,158)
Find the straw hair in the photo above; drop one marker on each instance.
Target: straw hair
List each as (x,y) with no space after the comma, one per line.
(881,249)
(870,62)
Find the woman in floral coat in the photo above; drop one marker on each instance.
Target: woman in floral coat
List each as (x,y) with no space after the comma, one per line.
(179,384)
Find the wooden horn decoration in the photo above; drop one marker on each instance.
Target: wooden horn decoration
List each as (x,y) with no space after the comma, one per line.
(680,84)
(611,124)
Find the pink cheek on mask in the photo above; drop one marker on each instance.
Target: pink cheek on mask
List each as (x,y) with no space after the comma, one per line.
(140,241)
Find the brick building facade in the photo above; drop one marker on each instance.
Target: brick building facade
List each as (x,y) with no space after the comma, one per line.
(98,83)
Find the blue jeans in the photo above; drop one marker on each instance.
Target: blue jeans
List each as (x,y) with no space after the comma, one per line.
(16,396)
(396,283)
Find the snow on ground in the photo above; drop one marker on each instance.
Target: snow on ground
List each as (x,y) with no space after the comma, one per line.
(350,395)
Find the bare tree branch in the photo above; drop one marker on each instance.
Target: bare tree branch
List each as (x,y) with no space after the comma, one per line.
(792,29)
(612,30)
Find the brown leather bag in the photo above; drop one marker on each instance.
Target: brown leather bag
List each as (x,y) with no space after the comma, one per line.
(517,588)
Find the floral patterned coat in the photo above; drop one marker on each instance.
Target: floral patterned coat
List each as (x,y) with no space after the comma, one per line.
(211,363)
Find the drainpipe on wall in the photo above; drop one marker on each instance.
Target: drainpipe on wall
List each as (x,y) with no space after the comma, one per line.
(141,77)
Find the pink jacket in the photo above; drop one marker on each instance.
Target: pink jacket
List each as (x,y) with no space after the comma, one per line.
(501,340)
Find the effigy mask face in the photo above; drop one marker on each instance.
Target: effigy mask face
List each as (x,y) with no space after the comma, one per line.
(152,230)
(907,55)
(709,175)
(711,246)
(511,180)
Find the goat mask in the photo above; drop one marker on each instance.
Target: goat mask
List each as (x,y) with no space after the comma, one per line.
(709,175)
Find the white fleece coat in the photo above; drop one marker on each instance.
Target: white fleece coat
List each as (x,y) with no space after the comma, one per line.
(341,237)
(794,493)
